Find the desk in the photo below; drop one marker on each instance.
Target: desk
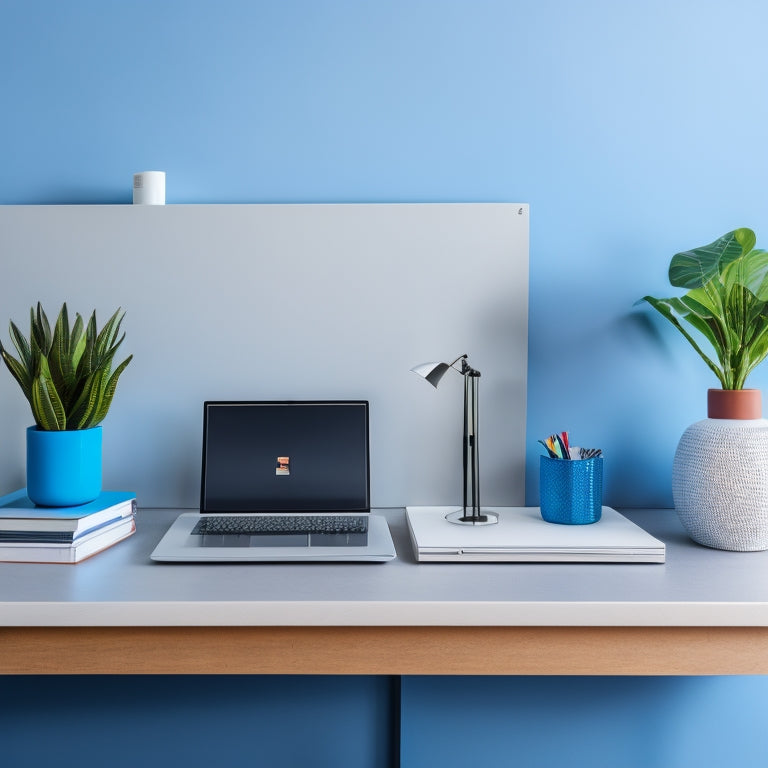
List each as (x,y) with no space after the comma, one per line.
(702,612)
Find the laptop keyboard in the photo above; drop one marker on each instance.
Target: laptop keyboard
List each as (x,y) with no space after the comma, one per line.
(253,525)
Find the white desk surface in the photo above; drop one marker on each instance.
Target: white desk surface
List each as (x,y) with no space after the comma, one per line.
(121,587)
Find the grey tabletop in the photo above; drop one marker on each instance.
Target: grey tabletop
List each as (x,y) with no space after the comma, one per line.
(121,586)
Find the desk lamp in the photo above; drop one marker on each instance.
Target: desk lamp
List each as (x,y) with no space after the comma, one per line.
(470,513)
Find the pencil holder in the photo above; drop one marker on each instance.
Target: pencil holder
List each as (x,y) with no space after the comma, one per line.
(571,491)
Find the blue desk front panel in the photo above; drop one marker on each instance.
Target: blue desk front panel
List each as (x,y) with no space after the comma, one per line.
(195,722)
(347,722)
(584,722)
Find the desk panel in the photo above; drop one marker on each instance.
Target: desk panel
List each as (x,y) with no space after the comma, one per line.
(386,650)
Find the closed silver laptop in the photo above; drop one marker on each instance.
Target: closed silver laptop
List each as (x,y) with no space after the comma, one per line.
(282,481)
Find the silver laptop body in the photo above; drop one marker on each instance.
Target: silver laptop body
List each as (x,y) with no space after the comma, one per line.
(521,535)
(282,481)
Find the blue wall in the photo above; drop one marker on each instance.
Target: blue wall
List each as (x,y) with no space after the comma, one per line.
(634,130)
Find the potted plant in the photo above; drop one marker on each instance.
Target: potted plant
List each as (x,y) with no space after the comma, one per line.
(66,375)
(720,470)
(727,305)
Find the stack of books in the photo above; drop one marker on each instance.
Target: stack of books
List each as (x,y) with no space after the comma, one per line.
(32,534)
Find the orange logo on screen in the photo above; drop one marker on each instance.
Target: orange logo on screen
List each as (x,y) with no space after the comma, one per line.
(283,465)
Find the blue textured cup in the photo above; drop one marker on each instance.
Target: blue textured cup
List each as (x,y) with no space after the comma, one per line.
(571,491)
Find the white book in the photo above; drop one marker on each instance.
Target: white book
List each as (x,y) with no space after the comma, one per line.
(83,547)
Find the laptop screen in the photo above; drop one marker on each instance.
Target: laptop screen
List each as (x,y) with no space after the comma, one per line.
(301,456)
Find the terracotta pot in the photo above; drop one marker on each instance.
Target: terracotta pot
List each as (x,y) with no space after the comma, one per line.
(734,404)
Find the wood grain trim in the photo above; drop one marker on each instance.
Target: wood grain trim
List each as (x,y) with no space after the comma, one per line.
(386,650)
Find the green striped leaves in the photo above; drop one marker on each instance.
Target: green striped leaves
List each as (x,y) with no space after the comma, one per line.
(66,373)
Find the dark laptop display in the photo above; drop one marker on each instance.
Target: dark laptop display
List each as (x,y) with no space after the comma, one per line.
(285,457)
(282,481)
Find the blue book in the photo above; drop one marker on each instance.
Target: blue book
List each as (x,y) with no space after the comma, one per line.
(21,520)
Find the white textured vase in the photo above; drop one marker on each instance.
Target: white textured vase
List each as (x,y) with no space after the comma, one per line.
(720,483)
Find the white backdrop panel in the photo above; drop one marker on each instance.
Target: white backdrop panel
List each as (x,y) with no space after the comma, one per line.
(259,302)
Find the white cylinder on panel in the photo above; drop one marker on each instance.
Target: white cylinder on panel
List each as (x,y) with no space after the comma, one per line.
(149,188)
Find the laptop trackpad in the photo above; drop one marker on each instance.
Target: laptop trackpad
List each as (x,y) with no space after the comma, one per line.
(262,540)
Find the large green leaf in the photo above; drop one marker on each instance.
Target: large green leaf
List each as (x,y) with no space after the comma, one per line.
(694,268)
(707,323)
(665,307)
(751,271)
(710,296)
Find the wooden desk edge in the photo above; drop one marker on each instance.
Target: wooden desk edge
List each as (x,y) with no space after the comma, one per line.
(385,650)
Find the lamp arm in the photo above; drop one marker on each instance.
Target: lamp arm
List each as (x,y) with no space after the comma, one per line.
(463,358)
(466,368)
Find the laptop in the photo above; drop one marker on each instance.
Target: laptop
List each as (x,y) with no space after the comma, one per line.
(521,535)
(282,482)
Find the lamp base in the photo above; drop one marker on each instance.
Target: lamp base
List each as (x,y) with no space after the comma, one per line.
(465,517)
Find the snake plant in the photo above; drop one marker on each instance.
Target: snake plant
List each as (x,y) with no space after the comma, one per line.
(66,374)
(726,304)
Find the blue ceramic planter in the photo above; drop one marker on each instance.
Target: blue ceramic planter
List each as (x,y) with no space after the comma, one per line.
(63,467)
